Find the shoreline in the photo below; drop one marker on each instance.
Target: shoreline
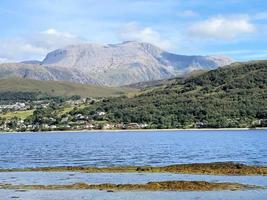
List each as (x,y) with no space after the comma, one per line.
(140,130)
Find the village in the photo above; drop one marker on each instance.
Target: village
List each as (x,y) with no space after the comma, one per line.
(19,126)
(64,122)
(48,115)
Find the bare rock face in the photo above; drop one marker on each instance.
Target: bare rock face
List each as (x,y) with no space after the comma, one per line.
(129,62)
(120,64)
(39,72)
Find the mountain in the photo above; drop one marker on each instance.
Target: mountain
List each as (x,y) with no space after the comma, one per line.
(33,62)
(233,96)
(44,73)
(113,64)
(58,88)
(129,62)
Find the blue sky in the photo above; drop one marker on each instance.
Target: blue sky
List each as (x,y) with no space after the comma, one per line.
(235,28)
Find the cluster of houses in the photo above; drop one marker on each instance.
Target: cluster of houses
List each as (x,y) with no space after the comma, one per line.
(21,127)
(21,106)
(83,101)
(262,122)
(15,125)
(15,107)
(77,122)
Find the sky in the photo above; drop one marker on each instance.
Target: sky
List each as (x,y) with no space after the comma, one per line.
(235,28)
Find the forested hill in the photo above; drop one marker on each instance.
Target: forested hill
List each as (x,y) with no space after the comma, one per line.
(232,96)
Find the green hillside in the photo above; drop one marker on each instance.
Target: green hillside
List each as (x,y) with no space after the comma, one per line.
(162,82)
(233,96)
(57,88)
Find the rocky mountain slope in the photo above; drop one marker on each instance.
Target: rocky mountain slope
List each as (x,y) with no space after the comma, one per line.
(112,65)
(44,73)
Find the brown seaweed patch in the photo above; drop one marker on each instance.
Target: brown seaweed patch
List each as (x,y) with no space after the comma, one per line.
(217,168)
(150,186)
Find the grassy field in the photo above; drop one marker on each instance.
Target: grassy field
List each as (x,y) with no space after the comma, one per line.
(69,108)
(20,114)
(60,88)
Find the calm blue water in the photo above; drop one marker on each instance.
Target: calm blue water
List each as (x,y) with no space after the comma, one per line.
(132,148)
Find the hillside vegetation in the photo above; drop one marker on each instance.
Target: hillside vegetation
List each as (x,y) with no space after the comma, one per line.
(232,96)
(18,88)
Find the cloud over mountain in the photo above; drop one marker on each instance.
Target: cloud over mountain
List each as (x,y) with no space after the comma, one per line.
(134,32)
(35,46)
(221,27)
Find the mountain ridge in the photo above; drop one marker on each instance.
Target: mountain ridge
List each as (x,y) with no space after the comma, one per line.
(113,64)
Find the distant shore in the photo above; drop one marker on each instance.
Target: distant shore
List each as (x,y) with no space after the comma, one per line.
(141,130)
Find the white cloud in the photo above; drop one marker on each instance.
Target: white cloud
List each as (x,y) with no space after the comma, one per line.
(35,46)
(4,60)
(187,13)
(52,39)
(222,27)
(260,16)
(19,49)
(132,31)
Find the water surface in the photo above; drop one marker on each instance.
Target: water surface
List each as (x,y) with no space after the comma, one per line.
(156,148)
(68,178)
